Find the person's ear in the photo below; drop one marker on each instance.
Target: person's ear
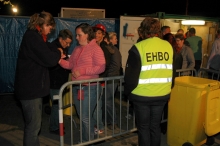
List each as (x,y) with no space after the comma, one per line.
(60,39)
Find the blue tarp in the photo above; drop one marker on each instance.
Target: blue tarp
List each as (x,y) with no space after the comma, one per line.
(11,33)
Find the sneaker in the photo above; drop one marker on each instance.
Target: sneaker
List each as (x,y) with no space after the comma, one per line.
(101,131)
(129,116)
(96,131)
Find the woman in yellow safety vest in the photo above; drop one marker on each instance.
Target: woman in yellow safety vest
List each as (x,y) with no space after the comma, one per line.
(149,77)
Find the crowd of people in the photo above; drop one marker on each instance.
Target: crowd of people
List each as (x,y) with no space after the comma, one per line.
(43,67)
(188,48)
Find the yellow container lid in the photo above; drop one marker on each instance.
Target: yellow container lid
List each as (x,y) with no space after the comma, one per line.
(195,82)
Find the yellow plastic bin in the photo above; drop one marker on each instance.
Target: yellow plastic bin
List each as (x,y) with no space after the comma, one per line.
(193,111)
(66,101)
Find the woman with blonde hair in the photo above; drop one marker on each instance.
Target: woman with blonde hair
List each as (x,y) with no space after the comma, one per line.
(112,70)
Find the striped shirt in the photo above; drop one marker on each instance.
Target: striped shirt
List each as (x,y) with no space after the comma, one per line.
(89,60)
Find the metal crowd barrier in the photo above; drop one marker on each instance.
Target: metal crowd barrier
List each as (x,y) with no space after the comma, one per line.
(125,124)
(75,137)
(209,73)
(189,72)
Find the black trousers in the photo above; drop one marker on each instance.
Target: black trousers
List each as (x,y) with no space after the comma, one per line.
(197,64)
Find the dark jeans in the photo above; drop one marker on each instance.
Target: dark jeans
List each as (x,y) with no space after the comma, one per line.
(148,119)
(54,116)
(108,107)
(32,111)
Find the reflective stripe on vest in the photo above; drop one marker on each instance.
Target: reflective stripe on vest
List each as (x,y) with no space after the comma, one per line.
(156,66)
(155,80)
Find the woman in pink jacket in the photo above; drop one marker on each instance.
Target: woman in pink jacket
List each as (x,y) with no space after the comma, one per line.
(87,61)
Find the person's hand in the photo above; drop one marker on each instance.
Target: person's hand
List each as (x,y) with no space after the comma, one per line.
(76,74)
(62,55)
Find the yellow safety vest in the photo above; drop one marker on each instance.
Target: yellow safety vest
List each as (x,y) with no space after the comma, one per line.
(156,71)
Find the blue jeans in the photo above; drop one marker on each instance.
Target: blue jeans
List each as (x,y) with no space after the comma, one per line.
(32,111)
(148,119)
(110,91)
(85,110)
(54,116)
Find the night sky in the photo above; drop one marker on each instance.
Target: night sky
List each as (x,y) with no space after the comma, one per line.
(115,8)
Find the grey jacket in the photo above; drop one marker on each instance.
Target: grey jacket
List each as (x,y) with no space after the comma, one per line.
(188,57)
(215,51)
(215,62)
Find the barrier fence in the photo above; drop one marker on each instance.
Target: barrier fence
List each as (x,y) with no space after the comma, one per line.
(184,72)
(125,125)
(209,73)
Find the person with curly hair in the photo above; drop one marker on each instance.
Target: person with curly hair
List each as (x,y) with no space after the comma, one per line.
(149,77)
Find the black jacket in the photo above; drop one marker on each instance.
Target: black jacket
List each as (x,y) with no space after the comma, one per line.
(32,74)
(115,65)
(58,75)
(112,58)
(107,55)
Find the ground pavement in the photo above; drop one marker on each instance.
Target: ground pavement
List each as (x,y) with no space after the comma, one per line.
(11,128)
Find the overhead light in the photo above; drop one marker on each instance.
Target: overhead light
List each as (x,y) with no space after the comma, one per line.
(8,2)
(14,9)
(193,22)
